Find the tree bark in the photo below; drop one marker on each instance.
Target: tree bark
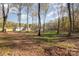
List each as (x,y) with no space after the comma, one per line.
(19,16)
(4,17)
(58,24)
(73,17)
(70,20)
(44,22)
(27,17)
(39,21)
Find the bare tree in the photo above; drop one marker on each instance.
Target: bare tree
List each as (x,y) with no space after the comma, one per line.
(28,5)
(70,20)
(44,7)
(5,15)
(27,16)
(34,14)
(19,15)
(73,16)
(58,29)
(39,21)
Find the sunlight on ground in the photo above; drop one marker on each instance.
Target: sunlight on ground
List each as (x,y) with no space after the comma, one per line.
(62,44)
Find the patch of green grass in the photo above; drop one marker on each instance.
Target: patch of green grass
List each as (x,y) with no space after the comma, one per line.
(47,39)
(49,34)
(53,34)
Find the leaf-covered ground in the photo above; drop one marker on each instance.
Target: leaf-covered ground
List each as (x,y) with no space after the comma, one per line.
(23,44)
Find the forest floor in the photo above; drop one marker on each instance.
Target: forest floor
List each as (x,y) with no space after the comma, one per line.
(29,44)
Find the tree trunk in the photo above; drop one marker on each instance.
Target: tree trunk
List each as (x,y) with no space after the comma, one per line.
(62,13)
(32,22)
(58,26)
(19,16)
(4,17)
(27,17)
(63,20)
(44,22)
(39,21)
(70,20)
(73,17)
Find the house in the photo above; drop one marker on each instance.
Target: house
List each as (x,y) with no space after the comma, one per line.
(22,29)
